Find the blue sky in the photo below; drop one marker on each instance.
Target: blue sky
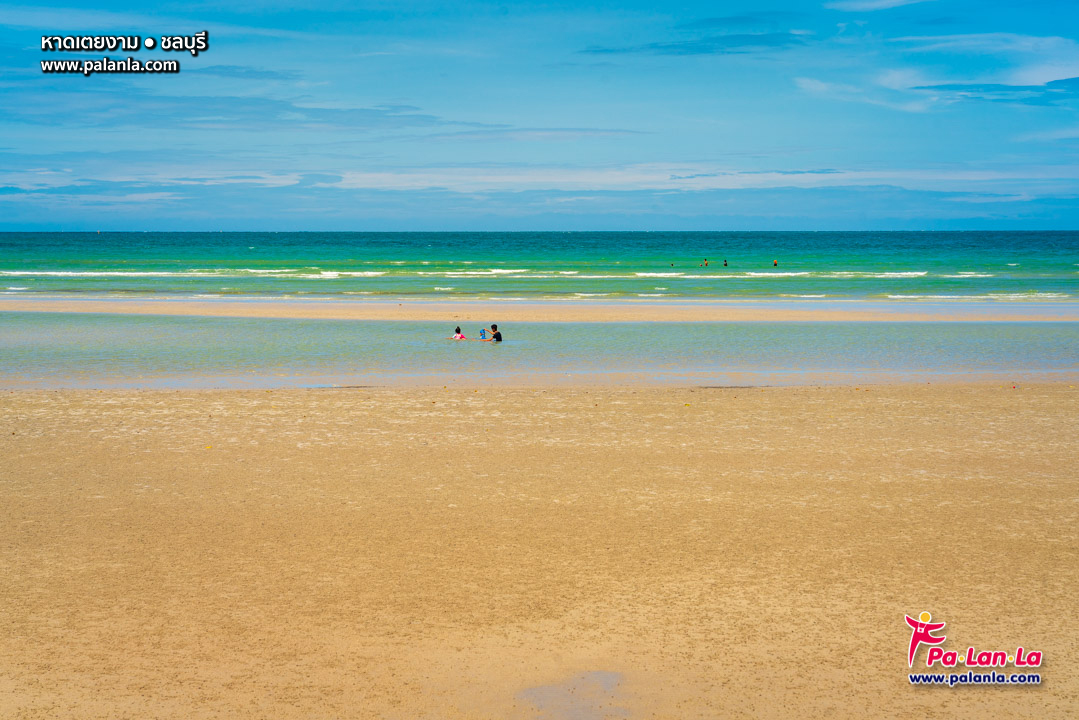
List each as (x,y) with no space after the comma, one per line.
(848,114)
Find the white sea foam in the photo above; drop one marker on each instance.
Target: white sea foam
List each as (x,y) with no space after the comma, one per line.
(866,274)
(989,296)
(442,288)
(651,294)
(970,275)
(591,294)
(659,274)
(107,273)
(270,297)
(13,287)
(776,274)
(471,273)
(567,272)
(335,274)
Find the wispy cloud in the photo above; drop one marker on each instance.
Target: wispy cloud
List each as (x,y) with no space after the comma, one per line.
(869,5)
(1067,133)
(536,134)
(1050,93)
(986,42)
(221,112)
(822,171)
(737,43)
(1033,59)
(242,72)
(695,177)
(750,19)
(80,21)
(985,198)
(1025,70)
(81,199)
(868,95)
(470,112)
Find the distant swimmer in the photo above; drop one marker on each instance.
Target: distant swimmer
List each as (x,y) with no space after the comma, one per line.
(496,336)
(724,262)
(458,335)
(775,263)
(706,262)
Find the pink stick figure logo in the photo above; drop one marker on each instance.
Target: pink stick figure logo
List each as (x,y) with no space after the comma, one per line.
(923,630)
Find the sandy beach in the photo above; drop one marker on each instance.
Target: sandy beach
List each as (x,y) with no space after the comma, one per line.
(482,311)
(539,361)
(532,553)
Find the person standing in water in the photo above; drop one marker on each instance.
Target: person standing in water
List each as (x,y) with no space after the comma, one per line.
(496,336)
(457,334)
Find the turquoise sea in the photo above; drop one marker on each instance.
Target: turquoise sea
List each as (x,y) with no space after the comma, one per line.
(882,266)
(46,350)
(870,270)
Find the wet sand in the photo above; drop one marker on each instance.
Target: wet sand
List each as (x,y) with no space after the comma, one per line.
(563,311)
(532,553)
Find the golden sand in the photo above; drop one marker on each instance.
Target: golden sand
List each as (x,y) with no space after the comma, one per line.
(553,311)
(432,553)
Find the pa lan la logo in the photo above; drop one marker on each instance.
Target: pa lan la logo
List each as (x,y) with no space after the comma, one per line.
(922,633)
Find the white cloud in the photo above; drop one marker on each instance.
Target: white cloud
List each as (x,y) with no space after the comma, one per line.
(851,93)
(81,21)
(1023,61)
(869,5)
(1069,133)
(987,43)
(158,186)
(980,198)
(67,201)
(700,177)
(903,79)
(1040,74)
(1036,60)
